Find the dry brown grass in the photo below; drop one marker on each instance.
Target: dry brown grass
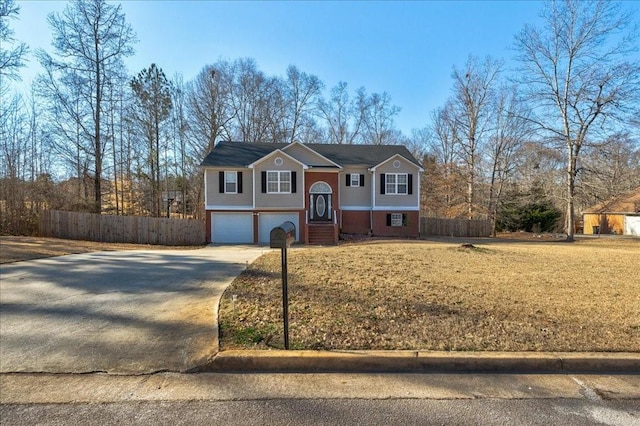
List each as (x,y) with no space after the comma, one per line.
(16,249)
(500,296)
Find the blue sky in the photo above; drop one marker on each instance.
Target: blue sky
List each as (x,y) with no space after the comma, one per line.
(405,48)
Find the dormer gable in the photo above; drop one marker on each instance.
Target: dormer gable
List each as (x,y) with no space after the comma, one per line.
(309,156)
(397,161)
(275,153)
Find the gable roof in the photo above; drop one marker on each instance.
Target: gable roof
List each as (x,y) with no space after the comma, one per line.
(276,152)
(625,203)
(396,157)
(316,153)
(242,154)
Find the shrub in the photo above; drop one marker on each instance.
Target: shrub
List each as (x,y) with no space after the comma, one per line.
(537,216)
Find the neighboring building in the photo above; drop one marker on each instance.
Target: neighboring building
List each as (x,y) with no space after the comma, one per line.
(620,215)
(323,189)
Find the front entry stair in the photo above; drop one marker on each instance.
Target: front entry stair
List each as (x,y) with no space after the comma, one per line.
(322,233)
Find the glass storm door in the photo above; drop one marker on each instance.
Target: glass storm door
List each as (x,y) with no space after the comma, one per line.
(320,208)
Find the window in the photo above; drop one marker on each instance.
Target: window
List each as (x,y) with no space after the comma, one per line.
(354,179)
(278,182)
(396,183)
(402,183)
(396,219)
(231,182)
(391,183)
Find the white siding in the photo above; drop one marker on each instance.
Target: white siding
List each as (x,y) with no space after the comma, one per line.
(408,201)
(282,201)
(359,196)
(214,198)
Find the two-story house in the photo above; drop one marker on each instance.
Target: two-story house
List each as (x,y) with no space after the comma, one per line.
(323,189)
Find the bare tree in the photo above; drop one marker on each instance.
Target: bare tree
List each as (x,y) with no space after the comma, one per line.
(13,148)
(418,142)
(580,77)
(11,58)
(510,130)
(418,146)
(257,104)
(473,92)
(609,169)
(301,92)
(343,117)
(335,111)
(274,111)
(13,125)
(446,175)
(208,106)
(379,127)
(67,120)
(444,127)
(185,158)
(25,183)
(90,39)
(116,99)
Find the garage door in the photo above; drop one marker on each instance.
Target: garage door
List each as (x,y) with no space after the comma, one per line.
(632,225)
(232,228)
(268,221)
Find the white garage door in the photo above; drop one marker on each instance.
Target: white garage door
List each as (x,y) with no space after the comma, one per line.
(632,225)
(232,228)
(268,221)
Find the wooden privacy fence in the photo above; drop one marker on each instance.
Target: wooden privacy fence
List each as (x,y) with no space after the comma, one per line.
(455,227)
(122,229)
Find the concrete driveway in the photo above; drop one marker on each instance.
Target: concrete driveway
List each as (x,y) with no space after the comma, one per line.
(122,312)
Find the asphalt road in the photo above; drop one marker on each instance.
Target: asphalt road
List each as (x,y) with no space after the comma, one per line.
(321,399)
(118,312)
(557,412)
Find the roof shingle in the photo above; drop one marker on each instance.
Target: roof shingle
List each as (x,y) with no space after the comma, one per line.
(241,154)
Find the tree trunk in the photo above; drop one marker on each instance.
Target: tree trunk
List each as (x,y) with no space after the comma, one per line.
(157,161)
(492,202)
(470,182)
(571,173)
(98,151)
(115,157)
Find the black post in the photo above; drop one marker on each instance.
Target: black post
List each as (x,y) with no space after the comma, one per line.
(285,298)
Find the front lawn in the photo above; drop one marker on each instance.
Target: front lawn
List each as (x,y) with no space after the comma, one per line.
(500,295)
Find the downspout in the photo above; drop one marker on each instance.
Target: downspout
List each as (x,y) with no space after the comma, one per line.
(340,180)
(419,195)
(305,197)
(373,200)
(206,198)
(253,177)
(255,218)
(207,214)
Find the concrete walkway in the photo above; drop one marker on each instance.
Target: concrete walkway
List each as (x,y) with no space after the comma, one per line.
(164,387)
(120,312)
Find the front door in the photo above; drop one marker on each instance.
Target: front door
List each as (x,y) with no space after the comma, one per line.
(320,208)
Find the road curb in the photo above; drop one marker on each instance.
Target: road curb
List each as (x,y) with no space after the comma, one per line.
(281,361)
